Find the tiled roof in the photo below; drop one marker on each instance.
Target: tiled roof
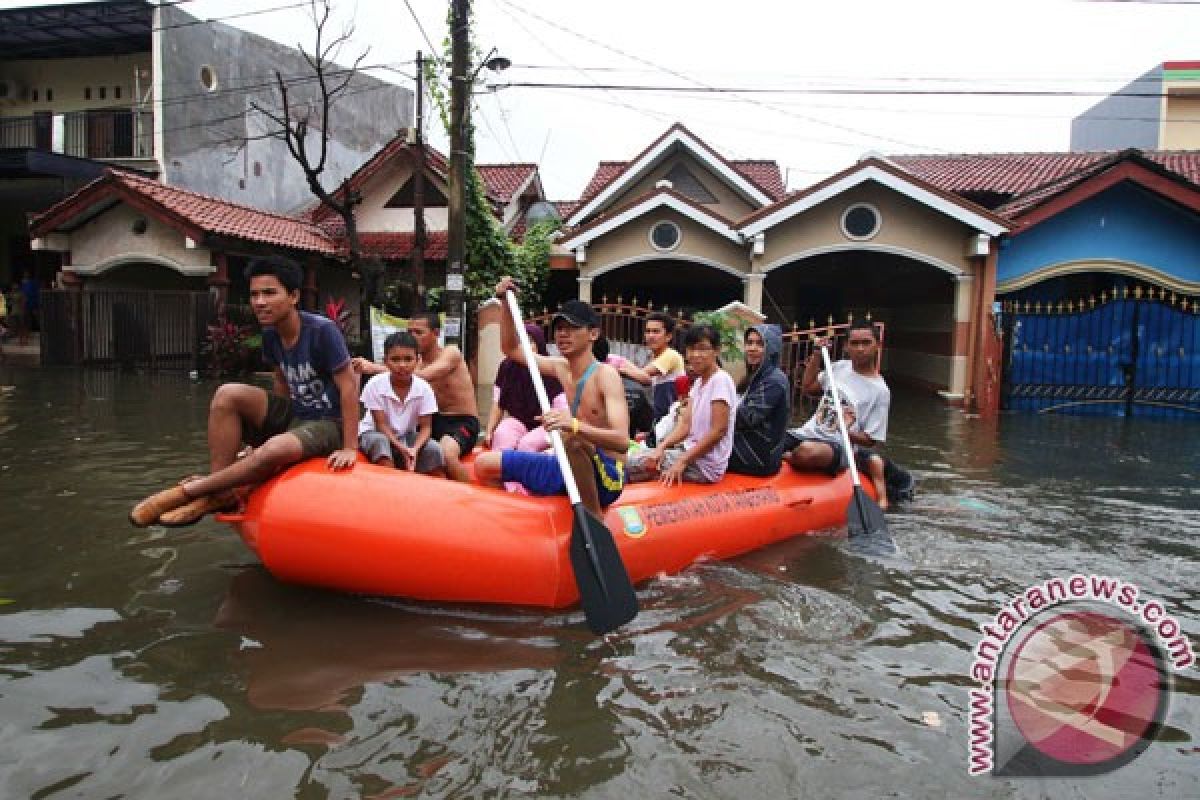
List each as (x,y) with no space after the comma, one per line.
(766,175)
(392,246)
(565,208)
(1126,165)
(1008,175)
(371,167)
(605,172)
(966,204)
(505,180)
(209,215)
(500,181)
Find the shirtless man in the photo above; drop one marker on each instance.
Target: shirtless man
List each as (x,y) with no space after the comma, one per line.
(456,423)
(595,430)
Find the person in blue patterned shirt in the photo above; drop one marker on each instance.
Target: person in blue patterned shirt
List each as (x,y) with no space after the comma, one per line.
(312,410)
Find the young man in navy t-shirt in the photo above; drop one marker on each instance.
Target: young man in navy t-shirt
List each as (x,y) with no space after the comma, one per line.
(312,410)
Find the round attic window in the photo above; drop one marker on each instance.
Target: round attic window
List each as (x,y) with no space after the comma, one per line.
(860,221)
(208,78)
(665,236)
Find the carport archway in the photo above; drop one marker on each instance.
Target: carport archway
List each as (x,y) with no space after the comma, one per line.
(680,285)
(914,299)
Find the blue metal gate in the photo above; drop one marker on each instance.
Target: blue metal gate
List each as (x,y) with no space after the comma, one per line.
(1134,352)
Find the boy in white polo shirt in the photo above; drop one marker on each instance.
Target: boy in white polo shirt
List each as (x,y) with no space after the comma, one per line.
(397,426)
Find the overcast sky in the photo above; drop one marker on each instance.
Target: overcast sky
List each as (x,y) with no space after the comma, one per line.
(927,45)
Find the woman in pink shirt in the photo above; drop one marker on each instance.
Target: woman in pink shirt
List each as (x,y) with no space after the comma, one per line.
(697,449)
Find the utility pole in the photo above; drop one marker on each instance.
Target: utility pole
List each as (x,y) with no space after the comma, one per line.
(418,179)
(457,233)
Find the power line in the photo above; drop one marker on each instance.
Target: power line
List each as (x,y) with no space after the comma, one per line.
(758,90)
(617,100)
(433,53)
(751,100)
(508,129)
(198,21)
(495,136)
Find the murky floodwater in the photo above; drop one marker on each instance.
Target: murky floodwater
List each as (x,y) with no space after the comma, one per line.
(154,663)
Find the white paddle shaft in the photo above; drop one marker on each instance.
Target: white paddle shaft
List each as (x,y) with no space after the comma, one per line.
(539,387)
(837,402)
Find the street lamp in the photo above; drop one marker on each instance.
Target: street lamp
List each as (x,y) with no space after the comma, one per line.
(460,89)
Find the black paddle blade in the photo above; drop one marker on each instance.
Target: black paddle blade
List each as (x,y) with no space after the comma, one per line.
(864,517)
(604,589)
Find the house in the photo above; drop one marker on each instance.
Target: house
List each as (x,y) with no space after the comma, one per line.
(148,88)
(124,237)
(1097,276)
(680,225)
(927,244)
(1159,110)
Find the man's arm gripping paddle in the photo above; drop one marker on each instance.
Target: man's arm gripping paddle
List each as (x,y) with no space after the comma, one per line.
(863,515)
(605,591)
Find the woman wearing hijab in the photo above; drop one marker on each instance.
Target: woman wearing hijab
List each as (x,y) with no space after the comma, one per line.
(513,423)
(764,405)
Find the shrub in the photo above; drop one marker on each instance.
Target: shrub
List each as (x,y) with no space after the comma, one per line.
(231,350)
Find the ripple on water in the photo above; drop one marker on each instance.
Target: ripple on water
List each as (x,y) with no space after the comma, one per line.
(134,663)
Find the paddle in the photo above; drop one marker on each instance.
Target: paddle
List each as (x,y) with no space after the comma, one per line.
(863,515)
(605,591)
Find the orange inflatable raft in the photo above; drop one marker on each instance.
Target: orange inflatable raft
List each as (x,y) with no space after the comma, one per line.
(382,531)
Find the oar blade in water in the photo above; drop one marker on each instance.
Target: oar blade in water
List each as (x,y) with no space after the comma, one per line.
(605,591)
(864,517)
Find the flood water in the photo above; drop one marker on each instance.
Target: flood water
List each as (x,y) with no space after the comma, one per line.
(155,663)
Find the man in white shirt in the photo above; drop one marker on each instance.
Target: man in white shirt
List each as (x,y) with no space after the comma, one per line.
(817,445)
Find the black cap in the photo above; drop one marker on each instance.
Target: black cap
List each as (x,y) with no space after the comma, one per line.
(577,314)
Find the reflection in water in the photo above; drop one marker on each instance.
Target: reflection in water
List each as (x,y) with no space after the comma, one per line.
(310,650)
(137,664)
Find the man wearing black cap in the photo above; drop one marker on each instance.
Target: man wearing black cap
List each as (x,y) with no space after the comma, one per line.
(595,430)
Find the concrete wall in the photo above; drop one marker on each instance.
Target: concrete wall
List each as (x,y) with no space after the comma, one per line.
(202,128)
(68,78)
(904,225)
(1119,122)
(374,216)
(1181,129)
(1124,224)
(109,238)
(632,240)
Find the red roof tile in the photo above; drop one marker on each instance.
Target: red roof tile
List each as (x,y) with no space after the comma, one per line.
(766,175)
(763,174)
(204,214)
(881,164)
(398,245)
(565,208)
(504,180)
(1127,165)
(1008,175)
(371,167)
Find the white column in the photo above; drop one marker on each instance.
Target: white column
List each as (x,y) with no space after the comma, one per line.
(963,296)
(585,288)
(753,290)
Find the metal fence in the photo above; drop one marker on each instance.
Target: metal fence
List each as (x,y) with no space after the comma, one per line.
(96,133)
(623,325)
(1133,352)
(153,329)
